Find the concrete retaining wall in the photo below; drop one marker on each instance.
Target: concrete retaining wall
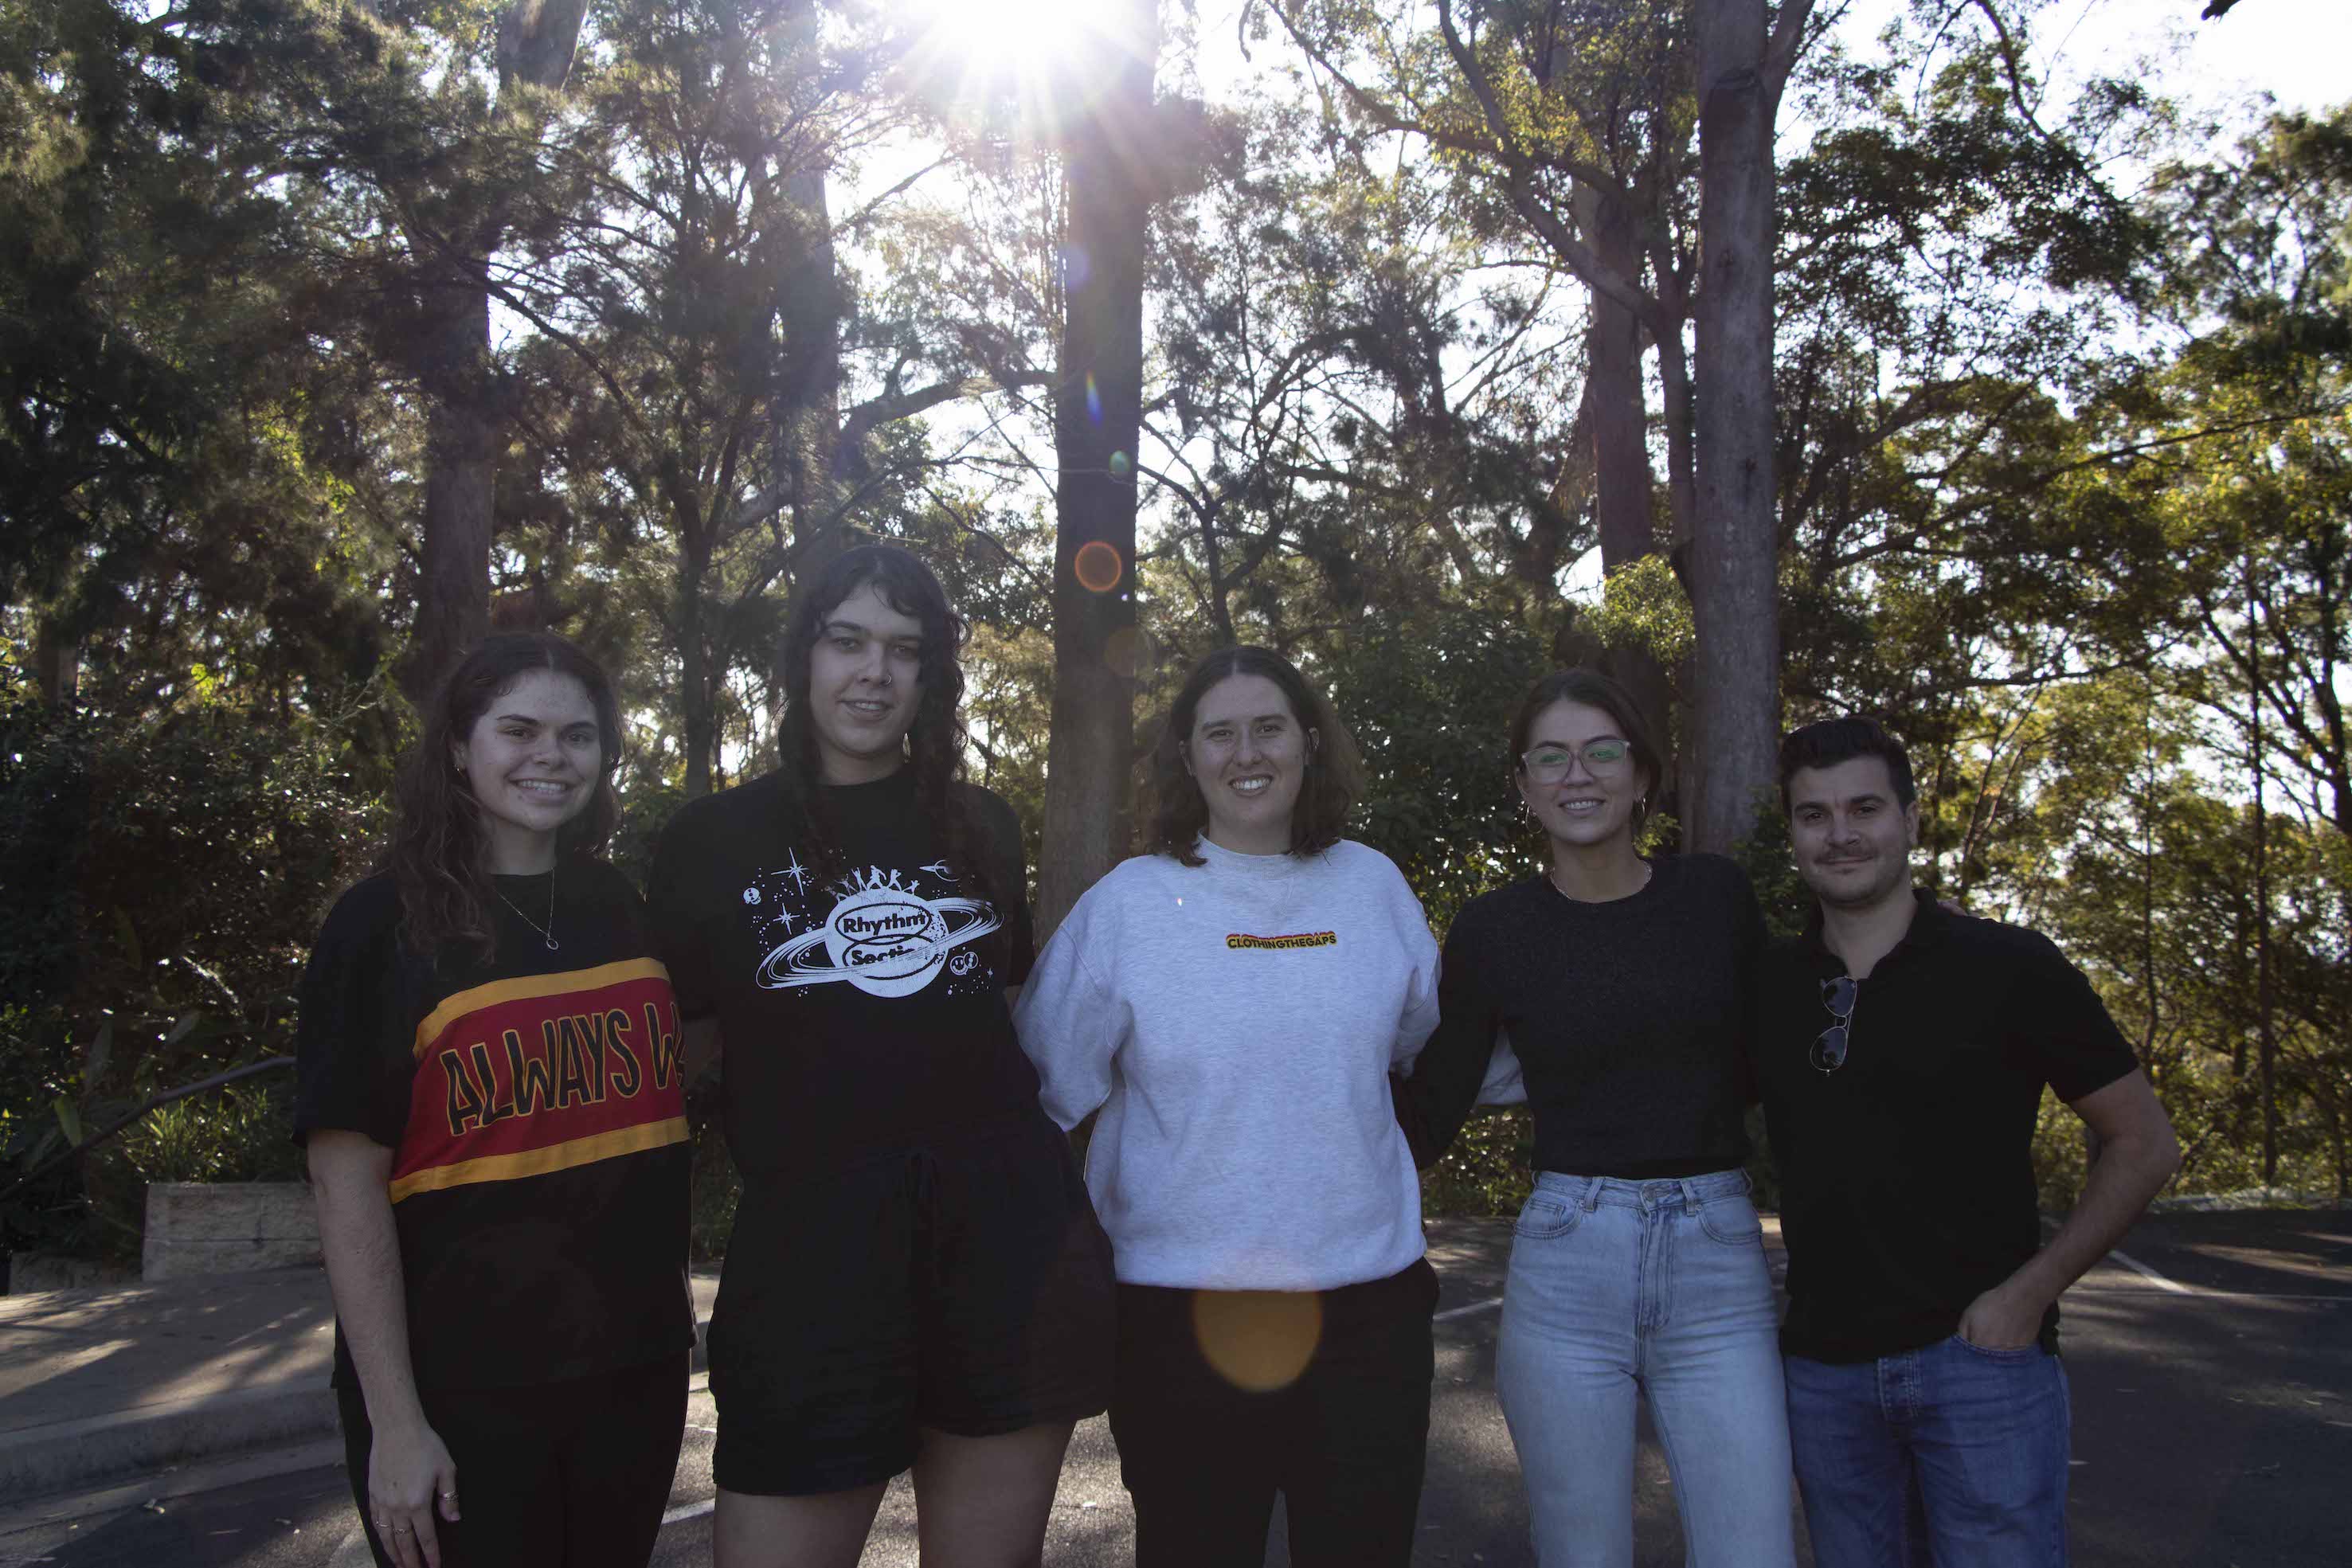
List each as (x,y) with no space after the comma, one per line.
(227,1227)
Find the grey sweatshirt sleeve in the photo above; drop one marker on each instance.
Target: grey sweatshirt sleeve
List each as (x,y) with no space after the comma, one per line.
(1068,1026)
(1418,1019)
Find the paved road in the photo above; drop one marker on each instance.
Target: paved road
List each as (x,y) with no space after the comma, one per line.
(2213,1426)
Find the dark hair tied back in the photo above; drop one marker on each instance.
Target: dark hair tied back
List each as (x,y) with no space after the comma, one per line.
(440,845)
(1334,774)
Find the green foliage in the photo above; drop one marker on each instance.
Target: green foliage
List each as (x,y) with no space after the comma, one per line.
(1642,606)
(164,879)
(2063,476)
(1490,1169)
(1429,699)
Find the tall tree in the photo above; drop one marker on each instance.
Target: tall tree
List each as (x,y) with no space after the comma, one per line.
(1743,62)
(1110,162)
(466,417)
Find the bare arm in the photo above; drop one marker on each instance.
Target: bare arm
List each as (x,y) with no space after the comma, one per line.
(2137,1155)
(408,1465)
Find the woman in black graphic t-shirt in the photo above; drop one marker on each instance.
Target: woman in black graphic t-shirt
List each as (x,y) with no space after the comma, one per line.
(915,1278)
(491,1095)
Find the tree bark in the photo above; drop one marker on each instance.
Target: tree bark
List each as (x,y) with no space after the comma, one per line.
(453,607)
(1098,424)
(810,453)
(1623,484)
(464,424)
(1735,607)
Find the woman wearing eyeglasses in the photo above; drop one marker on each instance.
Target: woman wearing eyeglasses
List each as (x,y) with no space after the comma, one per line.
(1637,1268)
(1233,1002)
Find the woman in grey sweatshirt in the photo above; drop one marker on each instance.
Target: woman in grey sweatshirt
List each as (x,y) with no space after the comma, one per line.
(1233,1004)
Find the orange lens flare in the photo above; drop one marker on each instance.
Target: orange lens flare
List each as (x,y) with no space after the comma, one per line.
(1258,1341)
(1099,566)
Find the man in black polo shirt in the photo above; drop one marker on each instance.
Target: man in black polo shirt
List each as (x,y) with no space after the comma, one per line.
(1901,1050)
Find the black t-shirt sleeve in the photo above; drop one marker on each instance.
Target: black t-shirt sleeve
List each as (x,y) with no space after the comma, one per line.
(1008,878)
(1432,1105)
(350,1028)
(2073,1043)
(669,907)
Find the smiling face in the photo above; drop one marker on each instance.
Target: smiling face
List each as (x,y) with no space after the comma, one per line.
(532,762)
(1247,753)
(1590,804)
(865,681)
(1852,837)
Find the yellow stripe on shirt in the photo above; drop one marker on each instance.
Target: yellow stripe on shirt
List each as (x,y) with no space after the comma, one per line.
(524,988)
(560,1156)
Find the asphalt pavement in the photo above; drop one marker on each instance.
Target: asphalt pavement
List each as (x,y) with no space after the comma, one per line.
(2212,1364)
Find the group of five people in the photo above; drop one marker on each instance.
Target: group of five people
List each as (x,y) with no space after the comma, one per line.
(496,1035)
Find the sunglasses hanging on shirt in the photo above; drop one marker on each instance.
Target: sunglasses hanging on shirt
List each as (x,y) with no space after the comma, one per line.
(1829,1049)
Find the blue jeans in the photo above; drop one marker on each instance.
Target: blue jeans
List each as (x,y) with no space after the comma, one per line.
(1950,1455)
(1660,1288)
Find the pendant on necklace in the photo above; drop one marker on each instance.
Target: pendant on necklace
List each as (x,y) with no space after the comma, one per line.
(553,945)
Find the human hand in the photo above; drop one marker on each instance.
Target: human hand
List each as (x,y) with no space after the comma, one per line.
(408,1468)
(1998,1320)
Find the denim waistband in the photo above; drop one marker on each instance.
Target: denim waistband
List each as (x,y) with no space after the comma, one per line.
(1589,1193)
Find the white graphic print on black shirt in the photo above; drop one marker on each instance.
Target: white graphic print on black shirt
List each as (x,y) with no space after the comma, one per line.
(860,1011)
(889,933)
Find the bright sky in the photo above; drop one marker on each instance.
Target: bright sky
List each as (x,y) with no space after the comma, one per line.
(2297,50)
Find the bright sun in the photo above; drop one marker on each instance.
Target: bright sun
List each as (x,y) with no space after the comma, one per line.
(1016,39)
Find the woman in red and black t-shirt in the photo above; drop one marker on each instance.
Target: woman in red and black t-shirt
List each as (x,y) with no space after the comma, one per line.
(492,1098)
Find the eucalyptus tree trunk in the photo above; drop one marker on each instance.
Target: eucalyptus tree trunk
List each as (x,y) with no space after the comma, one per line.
(808,456)
(453,603)
(1098,424)
(1735,547)
(1624,485)
(464,423)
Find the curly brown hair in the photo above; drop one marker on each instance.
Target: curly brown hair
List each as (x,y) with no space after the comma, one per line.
(439,855)
(1334,776)
(935,742)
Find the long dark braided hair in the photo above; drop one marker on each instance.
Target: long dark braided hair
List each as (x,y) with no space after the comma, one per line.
(439,842)
(935,742)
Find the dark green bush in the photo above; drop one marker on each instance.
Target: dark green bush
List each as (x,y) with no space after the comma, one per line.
(160,884)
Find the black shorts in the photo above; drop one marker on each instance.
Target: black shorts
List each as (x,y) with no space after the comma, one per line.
(964,1286)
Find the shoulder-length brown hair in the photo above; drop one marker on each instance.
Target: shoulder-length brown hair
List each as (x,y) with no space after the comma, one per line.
(1334,776)
(439,855)
(1591,688)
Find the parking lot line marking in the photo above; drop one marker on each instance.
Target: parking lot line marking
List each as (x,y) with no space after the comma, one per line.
(1485,1306)
(2142,1269)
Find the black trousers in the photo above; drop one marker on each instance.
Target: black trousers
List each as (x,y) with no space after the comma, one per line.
(557,1475)
(1225,1398)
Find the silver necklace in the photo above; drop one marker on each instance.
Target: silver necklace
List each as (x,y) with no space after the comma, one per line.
(546,930)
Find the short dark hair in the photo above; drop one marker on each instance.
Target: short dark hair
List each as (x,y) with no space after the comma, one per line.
(1333,780)
(1591,688)
(1828,742)
(439,841)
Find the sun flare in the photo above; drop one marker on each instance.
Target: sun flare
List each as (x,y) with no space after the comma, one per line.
(1004,38)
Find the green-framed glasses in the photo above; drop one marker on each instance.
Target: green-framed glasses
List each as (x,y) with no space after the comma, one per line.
(1549,764)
